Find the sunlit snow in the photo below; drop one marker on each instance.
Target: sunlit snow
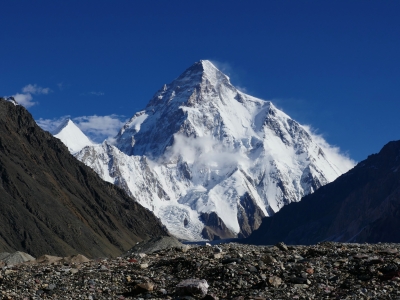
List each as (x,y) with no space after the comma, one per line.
(201,146)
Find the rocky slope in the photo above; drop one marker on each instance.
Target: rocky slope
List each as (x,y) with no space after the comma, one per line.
(210,160)
(362,205)
(229,271)
(52,203)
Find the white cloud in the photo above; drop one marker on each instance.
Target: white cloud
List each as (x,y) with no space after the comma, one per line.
(51,124)
(204,151)
(35,89)
(224,67)
(228,70)
(342,160)
(96,93)
(24,99)
(241,88)
(61,86)
(93,93)
(97,128)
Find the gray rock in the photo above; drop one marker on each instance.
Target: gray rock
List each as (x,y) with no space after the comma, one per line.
(17,258)
(192,287)
(275,281)
(268,259)
(155,244)
(281,246)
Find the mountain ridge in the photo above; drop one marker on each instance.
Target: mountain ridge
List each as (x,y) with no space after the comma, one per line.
(53,204)
(362,205)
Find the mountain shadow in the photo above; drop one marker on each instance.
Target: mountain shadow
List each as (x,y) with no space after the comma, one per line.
(50,203)
(362,205)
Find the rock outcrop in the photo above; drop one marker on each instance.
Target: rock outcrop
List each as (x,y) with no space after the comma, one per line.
(362,205)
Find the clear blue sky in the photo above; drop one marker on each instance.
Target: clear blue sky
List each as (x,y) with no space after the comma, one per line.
(334,65)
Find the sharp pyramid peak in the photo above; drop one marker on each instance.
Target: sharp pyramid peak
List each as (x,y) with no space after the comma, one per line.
(72,136)
(203,70)
(63,124)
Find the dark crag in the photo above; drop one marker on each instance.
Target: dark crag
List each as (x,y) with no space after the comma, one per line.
(362,205)
(50,203)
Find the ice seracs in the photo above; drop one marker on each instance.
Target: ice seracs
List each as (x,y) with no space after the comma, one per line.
(72,136)
(210,161)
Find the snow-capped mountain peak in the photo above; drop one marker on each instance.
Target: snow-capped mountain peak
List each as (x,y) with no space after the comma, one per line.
(72,136)
(213,160)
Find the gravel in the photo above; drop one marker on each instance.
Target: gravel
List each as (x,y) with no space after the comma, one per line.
(234,271)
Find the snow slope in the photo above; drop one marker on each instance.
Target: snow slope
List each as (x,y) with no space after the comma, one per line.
(211,161)
(72,136)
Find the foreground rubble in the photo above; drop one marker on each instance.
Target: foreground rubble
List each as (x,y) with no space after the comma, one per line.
(227,271)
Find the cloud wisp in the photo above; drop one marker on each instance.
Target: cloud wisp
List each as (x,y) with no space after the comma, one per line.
(34,89)
(93,93)
(26,99)
(228,70)
(96,93)
(97,128)
(51,125)
(346,163)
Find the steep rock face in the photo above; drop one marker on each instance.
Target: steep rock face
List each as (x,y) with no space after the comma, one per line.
(209,147)
(362,205)
(50,203)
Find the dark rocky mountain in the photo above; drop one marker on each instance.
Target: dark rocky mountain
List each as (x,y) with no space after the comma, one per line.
(362,205)
(50,203)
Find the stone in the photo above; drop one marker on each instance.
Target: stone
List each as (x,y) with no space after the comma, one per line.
(147,286)
(313,277)
(144,266)
(301,286)
(17,258)
(281,246)
(210,297)
(75,259)
(298,280)
(217,249)
(268,259)
(253,269)
(185,248)
(310,271)
(274,281)
(192,287)
(231,260)
(48,259)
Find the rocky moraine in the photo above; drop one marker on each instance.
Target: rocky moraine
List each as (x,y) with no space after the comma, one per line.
(227,271)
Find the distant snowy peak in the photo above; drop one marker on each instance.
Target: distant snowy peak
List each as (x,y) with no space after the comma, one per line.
(72,136)
(203,96)
(210,161)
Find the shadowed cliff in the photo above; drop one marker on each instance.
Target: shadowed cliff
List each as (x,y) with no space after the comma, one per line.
(50,203)
(362,205)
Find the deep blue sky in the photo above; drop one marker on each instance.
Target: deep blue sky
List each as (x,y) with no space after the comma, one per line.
(334,65)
